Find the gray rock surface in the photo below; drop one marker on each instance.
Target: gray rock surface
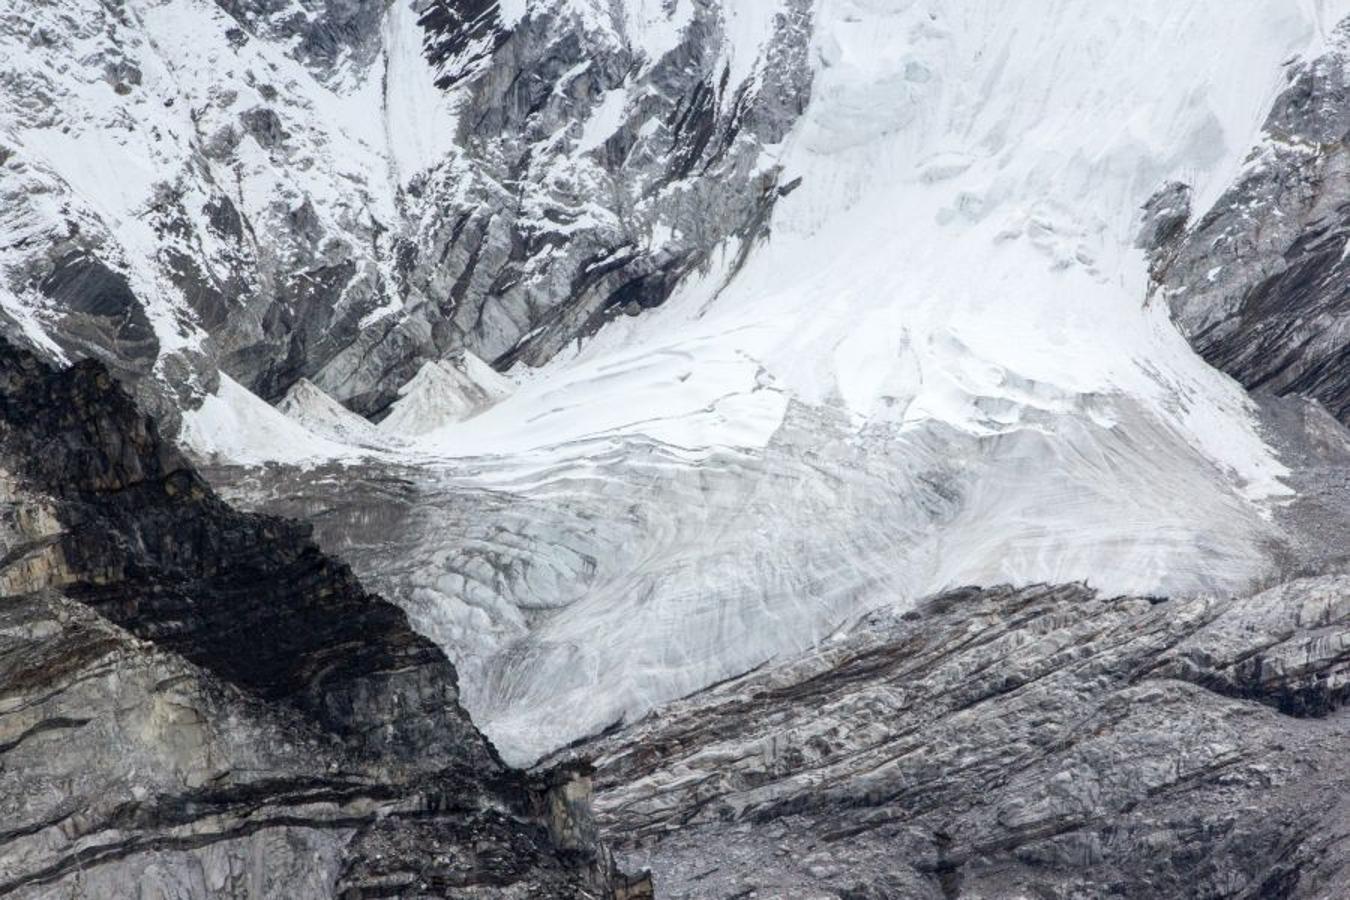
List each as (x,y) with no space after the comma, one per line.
(1316,448)
(196,702)
(543,227)
(1042,742)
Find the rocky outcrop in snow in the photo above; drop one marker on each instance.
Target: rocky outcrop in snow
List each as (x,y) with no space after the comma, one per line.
(607,150)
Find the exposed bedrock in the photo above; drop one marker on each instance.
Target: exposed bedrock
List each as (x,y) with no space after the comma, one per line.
(1046,742)
(593,170)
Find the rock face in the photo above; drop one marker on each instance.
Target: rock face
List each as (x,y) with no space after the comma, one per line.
(344,191)
(1044,742)
(197,701)
(634,137)
(1259,282)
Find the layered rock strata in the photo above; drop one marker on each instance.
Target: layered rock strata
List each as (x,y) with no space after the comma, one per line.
(1258,283)
(1045,741)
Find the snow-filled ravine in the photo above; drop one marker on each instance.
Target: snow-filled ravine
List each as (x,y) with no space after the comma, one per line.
(940,369)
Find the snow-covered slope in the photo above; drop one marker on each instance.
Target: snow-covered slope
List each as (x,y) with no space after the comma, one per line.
(233,425)
(939,368)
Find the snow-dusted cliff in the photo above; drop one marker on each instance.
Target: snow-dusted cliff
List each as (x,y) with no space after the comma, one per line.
(344,192)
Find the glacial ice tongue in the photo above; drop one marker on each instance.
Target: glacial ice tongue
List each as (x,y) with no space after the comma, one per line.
(940,369)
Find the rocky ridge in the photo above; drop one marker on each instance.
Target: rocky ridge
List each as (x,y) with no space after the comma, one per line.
(198,701)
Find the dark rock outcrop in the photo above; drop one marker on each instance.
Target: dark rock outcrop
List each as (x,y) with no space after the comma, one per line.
(101,310)
(1165,217)
(320,33)
(195,696)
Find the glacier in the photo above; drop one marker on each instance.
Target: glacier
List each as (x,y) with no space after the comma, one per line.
(940,367)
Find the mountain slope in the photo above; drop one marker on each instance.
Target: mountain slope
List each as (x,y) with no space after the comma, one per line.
(343,192)
(198,701)
(811,308)
(1258,282)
